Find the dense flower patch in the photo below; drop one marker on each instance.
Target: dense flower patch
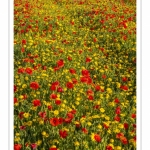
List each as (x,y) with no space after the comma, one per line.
(74,75)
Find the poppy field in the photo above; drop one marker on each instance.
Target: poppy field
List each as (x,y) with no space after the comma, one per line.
(74,75)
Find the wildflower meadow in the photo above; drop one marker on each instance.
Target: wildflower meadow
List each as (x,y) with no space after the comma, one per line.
(74,75)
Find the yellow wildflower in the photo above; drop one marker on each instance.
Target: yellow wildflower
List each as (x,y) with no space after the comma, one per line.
(102,110)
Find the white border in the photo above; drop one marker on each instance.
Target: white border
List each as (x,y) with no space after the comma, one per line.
(11,74)
(4,75)
(138,70)
(145,87)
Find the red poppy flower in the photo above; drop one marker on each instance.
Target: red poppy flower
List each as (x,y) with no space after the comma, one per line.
(117,118)
(124,79)
(69,85)
(57,102)
(22,127)
(63,133)
(77,125)
(67,120)
(21,70)
(72,71)
(26,60)
(24,96)
(34,85)
(74,81)
(30,55)
(26,5)
(90,97)
(96,106)
(46,119)
(108,147)
(17,147)
(89,80)
(89,91)
(73,111)
(130,19)
(102,90)
(28,71)
(31,60)
(53,96)
(84,130)
(33,146)
(116,100)
(72,22)
(42,114)
(70,115)
(21,115)
(118,110)
(56,83)
(134,138)
(134,125)
(22,31)
(50,107)
(35,67)
(88,60)
(56,68)
(59,89)
(124,37)
(119,135)
(124,140)
(36,102)
(102,21)
(97,138)
(54,86)
(85,73)
(53,148)
(126,125)
(124,87)
(97,88)
(15,100)
(60,63)
(83,79)
(124,25)
(27,144)
(95,40)
(104,76)
(61,120)
(80,2)
(105,126)
(69,58)
(24,42)
(15,88)
(44,67)
(133,115)
(102,49)
(54,121)
(80,51)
